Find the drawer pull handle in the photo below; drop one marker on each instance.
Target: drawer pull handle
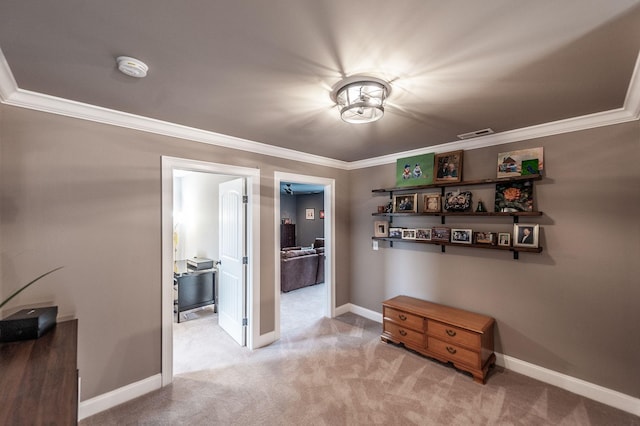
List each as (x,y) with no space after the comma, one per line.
(403,333)
(402,317)
(451,350)
(451,332)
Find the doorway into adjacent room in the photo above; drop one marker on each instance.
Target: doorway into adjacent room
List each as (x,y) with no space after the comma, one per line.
(209,212)
(305,286)
(207,276)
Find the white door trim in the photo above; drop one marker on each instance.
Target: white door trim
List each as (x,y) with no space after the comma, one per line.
(253,250)
(329,235)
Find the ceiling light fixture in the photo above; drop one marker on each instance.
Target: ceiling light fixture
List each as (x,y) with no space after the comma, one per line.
(361,98)
(132,67)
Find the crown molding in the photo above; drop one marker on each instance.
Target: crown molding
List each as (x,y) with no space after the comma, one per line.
(11,94)
(8,84)
(599,119)
(51,104)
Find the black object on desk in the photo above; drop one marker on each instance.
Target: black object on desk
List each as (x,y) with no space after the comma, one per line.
(196,288)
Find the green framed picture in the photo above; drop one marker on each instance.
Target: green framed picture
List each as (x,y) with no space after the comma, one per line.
(416,170)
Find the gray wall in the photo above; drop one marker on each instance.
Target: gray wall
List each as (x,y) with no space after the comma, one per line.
(306,229)
(294,207)
(288,207)
(88,196)
(574,307)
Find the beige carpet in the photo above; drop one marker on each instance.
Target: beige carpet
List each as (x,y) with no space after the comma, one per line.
(338,372)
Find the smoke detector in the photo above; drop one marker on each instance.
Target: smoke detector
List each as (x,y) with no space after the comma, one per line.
(132,67)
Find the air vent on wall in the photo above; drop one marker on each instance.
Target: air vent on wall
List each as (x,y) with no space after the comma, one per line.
(476,134)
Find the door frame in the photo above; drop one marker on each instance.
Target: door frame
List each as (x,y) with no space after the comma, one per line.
(329,235)
(252,177)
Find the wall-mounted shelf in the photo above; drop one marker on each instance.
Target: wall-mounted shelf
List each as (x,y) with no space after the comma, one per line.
(464,183)
(514,215)
(443,244)
(444,214)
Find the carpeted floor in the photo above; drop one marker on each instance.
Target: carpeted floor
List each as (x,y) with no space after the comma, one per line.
(338,372)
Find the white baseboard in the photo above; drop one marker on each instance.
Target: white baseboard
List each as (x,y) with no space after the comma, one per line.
(589,390)
(342,309)
(363,312)
(118,396)
(264,340)
(581,387)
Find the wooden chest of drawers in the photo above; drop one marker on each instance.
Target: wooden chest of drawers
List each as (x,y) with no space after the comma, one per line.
(447,334)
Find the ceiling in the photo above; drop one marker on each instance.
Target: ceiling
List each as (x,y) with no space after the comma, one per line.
(263,70)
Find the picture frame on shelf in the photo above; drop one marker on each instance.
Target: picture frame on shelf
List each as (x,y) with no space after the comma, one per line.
(526,235)
(405,203)
(408,234)
(415,170)
(432,203)
(504,239)
(441,234)
(521,162)
(381,229)
(488,238)
(458,201)
(461,236)
(448,167)
(514,197)
(423,234)
(395,232)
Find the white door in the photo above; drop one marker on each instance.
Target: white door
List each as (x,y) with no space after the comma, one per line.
(231,274)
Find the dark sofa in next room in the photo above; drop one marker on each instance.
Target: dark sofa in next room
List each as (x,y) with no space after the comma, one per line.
(301,268)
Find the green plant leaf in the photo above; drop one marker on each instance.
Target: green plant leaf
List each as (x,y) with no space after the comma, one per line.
(4,302)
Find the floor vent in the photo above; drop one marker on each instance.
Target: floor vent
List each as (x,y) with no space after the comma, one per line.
(476,134)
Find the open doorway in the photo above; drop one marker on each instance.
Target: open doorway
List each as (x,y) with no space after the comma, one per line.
(302,261)
(197,235)
(240,256)
(313,247)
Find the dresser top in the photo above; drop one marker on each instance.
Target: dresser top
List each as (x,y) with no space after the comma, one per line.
(457,317)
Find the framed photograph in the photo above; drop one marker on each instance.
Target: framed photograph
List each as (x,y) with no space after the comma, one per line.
(484,238)
(310,214)
(504,239)
(423,234)
(440,233)
(408,234)
(514,197)
(432,203)
(395,232)
(525,235)
(416,170)
(448,166)
(461,236)
(405,203)
(381,228)
(321,214)
(520,163)
(457,201)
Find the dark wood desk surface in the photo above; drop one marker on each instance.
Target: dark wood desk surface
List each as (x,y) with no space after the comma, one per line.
(39,378)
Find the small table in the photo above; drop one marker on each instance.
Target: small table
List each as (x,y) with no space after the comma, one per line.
(195,288)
